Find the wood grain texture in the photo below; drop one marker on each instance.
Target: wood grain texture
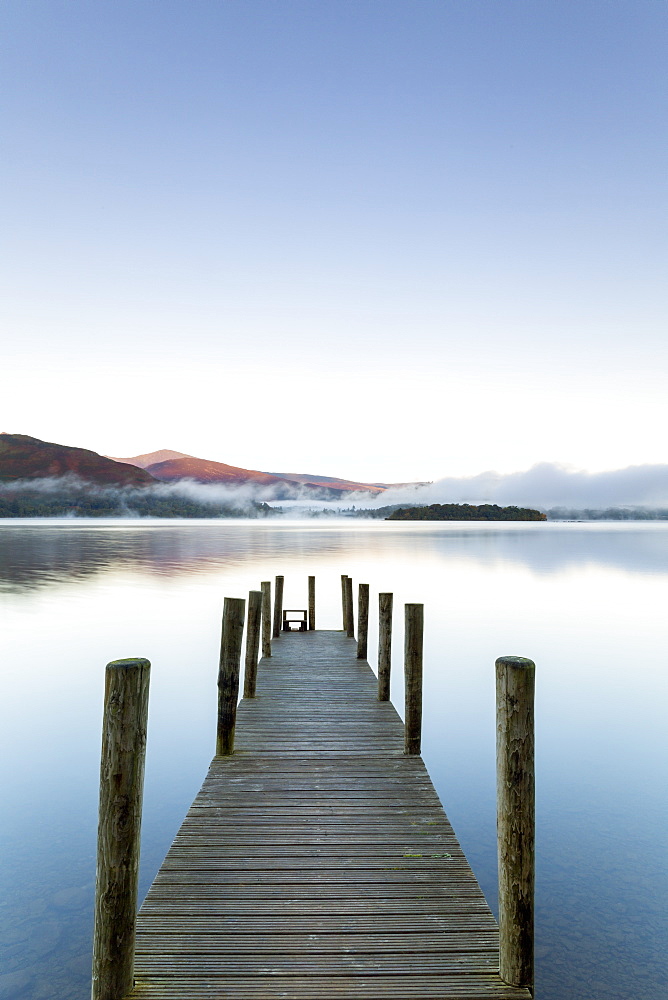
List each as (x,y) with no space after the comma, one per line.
(316,862)
(515,800)
(311,603)
(278,607)
(362,620)
(253,626)
(228,672)
(121,785)
(384,644)
(265,590)
(413,643)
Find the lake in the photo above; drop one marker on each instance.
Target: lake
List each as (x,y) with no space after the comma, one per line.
(587,602)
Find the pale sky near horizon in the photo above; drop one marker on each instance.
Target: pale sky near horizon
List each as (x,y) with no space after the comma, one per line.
(389,240)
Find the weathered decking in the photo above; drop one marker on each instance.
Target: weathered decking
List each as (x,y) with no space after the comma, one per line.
(317,862)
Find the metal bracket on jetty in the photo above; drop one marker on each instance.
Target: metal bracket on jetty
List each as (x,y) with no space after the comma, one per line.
(316,862)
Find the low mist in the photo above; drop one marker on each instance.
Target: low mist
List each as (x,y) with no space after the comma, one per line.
(544,486)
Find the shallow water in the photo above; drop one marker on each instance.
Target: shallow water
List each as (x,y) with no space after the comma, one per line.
(585,601)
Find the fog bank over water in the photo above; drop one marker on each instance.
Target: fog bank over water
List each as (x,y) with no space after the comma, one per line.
(544,486)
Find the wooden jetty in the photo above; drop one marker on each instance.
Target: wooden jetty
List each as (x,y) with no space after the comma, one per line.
(316,862)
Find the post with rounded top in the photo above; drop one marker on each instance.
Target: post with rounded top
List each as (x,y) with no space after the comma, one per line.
(121,787)
(350,611)
(344,601)
(413,642)
(311,603)
(384,645)
(252,642)
(362,620)
(515,805)
(266,617)
(278,606)
(228,673)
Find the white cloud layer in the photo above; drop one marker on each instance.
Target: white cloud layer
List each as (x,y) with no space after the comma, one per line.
(545,485)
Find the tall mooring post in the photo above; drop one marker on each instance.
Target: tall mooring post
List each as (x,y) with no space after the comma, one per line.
(278,606)
(266,617)
(350,611)
(362,620)
(515,798)
(384,645)
(228,673)
(413,641)
(311,603)
(252,642)
(344,601)
(121,787)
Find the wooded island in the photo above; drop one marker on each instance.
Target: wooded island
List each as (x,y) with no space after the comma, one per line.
(466,512)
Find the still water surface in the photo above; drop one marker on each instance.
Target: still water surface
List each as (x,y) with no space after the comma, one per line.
(587,602)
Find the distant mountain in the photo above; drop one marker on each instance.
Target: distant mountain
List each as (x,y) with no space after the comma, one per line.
(152,458)
(344,485)
(204,471)
(170,466)
(24,457)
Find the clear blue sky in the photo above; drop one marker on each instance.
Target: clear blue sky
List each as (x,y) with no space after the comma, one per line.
(383,239)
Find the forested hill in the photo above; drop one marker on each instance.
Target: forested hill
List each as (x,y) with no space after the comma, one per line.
(466,512)
(23,458)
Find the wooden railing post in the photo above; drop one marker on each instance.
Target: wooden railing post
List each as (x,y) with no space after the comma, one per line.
(266,617)
(515,805)
(384,645)
(252,642)
(350,623)
(311,603)
(228,673)
(278,606)
(362,620)
(413,677)
(121,786)
(344,601)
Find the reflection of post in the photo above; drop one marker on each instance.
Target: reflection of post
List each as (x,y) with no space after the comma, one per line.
(121,785)
(252,642)
(350,623)
(362,620)
(266,617)
(515,804)
(384,645)
(344,601)
(228,673)
(278,606)
(311,603)
(413,677)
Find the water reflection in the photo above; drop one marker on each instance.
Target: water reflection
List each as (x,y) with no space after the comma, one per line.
(50,553)
(585,601)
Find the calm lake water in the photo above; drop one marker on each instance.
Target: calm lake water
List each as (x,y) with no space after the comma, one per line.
(587,602)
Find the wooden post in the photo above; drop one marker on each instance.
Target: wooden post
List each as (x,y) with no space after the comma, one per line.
(384,645)
(362,620)
(515,812)
(121,786)
(413,677)
(228,673)
(311,603)
(278,606)
(266,617)
(350,611)
(252,642)
(344,601)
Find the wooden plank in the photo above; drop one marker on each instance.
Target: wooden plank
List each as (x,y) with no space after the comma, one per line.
(316,862)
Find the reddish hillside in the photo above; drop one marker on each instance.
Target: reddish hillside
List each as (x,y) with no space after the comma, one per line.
(329,482)
(171,466)
(24,457)
(204,471)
